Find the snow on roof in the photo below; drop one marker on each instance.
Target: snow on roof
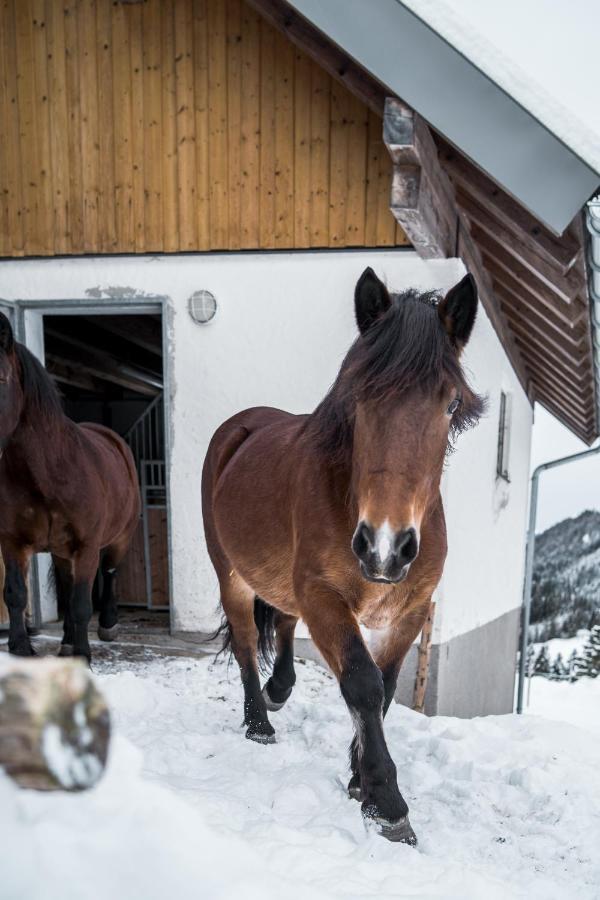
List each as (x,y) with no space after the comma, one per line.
(543,53)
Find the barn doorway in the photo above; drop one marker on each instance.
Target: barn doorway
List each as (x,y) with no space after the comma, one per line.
(109,369)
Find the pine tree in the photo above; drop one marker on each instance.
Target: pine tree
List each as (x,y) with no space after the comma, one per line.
(589,662)
(558,670)
(572,665)
(542,663)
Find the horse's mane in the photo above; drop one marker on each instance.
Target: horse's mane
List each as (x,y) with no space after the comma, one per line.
(40,396)
(406,349)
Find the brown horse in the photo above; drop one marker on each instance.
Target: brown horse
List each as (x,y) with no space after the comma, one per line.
(336,518)
(67,489)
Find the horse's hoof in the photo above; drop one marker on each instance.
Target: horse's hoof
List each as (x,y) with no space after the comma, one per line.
(108,634)
(66,650)
(270,704)
(354,791)
(21,648)
(260,737)
(399,832)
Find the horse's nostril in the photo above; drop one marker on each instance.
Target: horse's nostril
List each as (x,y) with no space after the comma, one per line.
(406,545)
(362,542)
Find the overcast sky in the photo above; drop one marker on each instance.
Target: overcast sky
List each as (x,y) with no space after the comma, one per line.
(570,489)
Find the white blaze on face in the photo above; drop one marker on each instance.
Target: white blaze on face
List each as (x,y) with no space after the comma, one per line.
(384,537)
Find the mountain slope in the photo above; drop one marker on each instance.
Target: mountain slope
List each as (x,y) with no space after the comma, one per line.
(566,578)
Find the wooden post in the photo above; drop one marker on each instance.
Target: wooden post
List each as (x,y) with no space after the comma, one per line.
(423,661)
(54,724)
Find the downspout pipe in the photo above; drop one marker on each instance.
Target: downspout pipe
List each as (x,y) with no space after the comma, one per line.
(529,558)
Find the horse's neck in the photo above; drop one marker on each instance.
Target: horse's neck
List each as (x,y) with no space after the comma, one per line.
(36,454)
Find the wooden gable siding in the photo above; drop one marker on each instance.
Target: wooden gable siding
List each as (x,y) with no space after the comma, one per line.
(178,125)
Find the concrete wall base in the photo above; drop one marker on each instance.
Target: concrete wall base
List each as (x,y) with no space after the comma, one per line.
(470,675)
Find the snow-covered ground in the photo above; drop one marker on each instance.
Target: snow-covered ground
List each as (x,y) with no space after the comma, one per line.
(504,806)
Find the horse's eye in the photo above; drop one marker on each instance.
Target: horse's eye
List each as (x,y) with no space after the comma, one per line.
(453,406)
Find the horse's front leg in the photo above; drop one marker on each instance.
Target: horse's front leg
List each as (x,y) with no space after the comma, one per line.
(85,566)
(335,631)
(389,651)
(16,567)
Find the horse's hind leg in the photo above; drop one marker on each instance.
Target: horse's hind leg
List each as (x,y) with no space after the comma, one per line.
(16,565)
(63,574)
(238,603)
(279,686)
(85,566)
(108,621)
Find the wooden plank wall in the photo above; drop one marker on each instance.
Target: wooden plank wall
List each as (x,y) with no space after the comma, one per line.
(177,125)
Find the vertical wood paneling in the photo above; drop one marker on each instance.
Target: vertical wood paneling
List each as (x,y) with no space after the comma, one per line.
(170,215)
(284,143)
(152,131)
(186,149)
(10,171)
(250,128)
(106,133)
(176,125)
(59,126)
(90,146)
(202,158)
(267,136)
(302,150)
(75,205)
(320,128)
(233,125)
(136,72)
(217,123)
(338,164)
(122,123)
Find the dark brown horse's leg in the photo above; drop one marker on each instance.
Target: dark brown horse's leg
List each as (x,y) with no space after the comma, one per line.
(16,565)
(238,603)
(279,686)
(63,573)
(85,566)
(337,635)
(389,655)
(108,621)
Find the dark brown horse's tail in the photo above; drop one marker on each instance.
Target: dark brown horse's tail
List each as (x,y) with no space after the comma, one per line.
(264,617)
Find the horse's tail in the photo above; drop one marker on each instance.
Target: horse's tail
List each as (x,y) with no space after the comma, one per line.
(264,617)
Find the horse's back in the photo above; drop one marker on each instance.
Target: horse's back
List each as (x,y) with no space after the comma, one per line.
(246,450)
(113,464)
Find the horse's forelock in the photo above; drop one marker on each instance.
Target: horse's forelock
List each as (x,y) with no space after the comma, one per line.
(406,349)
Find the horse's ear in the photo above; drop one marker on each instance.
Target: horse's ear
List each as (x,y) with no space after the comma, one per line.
(6,334)
(371,300)
(458,310)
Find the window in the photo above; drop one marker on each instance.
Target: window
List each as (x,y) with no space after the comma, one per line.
(503,436)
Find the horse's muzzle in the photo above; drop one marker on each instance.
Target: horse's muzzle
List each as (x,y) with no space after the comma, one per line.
(384,556)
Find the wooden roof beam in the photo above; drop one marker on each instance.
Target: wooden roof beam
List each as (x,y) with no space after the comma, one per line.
(505,260)
(561,252)
(542,338)
(582,430)
(571,284)
(556,318)
(422,198)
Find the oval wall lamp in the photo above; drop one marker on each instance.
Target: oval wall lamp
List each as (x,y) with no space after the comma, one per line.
(202,307)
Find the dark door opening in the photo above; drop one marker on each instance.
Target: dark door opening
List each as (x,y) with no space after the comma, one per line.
(109,369)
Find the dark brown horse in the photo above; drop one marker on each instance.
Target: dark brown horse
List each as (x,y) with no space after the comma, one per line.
(336,518)
(67,489)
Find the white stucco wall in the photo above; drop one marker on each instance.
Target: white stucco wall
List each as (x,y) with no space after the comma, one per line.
(283,324)
(486,516)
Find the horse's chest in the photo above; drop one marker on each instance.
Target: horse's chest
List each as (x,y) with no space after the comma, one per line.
(379,609)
